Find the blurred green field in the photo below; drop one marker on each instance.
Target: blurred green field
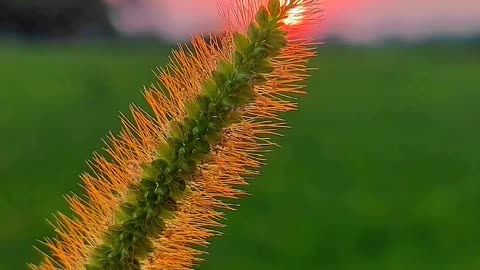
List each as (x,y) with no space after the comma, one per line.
(381,170)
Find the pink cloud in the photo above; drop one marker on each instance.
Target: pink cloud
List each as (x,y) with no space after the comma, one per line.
(173,19)
(361,21)
(371,20)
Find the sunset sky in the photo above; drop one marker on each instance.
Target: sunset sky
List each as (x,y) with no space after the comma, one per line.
(357,21)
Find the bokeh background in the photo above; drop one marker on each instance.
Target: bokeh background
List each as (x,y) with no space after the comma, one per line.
(381,169)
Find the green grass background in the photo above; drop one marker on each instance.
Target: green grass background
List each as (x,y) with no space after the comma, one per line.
(380,170)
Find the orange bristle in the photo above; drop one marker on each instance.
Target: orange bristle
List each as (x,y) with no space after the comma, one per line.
(239,153)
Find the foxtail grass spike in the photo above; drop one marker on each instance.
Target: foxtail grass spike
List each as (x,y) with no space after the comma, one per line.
(158,199)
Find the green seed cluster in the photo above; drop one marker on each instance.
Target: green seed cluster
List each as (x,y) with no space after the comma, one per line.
(165,179)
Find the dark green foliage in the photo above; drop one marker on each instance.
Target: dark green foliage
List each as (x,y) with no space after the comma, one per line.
(54,18)
(166,178)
